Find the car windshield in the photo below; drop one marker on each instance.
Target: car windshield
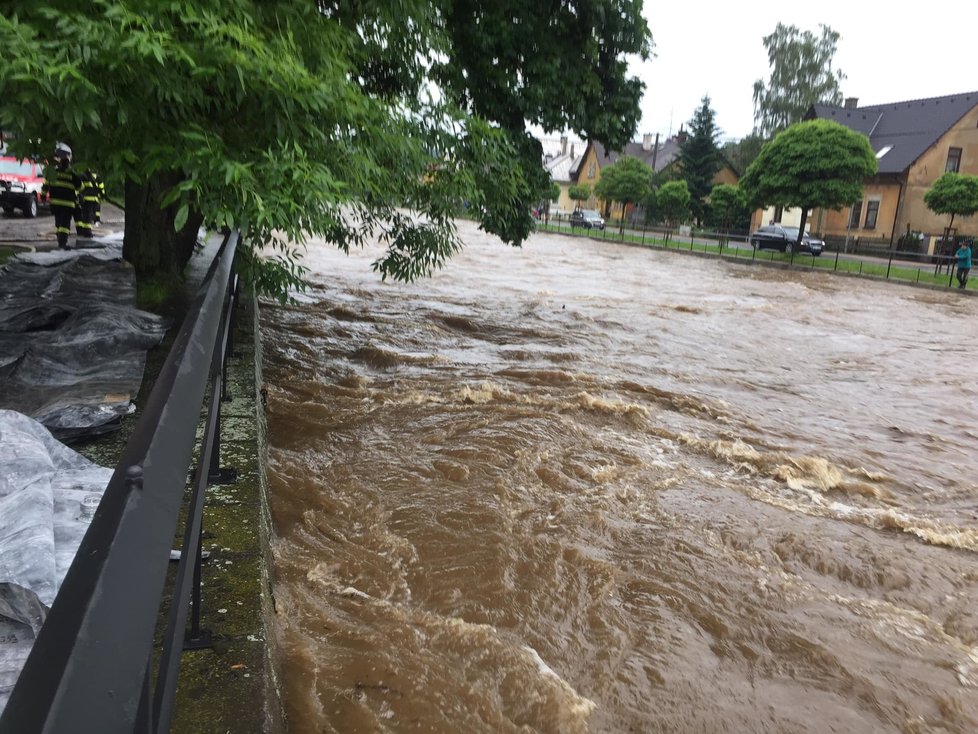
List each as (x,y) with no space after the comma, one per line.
(791,232)
(590,214)
(16,168)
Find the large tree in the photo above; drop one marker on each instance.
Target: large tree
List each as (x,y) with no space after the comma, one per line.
(815,164)
(741,153)
(333,119)
(955,194)
(700,158)
(801,75)
(626,181)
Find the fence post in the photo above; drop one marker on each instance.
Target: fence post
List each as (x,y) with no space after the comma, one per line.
(888,264)
(836,260)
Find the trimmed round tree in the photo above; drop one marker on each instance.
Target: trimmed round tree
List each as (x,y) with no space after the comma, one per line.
(672,199)
(817,164)
(954,194)
(627,181)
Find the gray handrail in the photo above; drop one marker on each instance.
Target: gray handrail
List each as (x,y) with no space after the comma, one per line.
(90,667)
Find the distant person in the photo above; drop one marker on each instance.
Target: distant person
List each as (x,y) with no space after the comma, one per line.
(99,195)
(964,263)
(62,187)
(89,200)
(85,209)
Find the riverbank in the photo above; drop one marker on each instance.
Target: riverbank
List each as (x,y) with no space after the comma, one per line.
(222,688)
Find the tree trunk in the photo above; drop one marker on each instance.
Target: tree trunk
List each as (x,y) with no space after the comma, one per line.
(801,229)
(155,249)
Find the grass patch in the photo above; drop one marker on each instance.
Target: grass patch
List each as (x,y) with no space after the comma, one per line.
(6,253)
(156,295)
(827,261)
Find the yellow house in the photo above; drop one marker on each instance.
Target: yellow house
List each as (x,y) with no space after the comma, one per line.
(559,163)
(915,142)
(588,171)
(661,157)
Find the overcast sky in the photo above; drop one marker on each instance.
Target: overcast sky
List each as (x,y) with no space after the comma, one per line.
(889,52)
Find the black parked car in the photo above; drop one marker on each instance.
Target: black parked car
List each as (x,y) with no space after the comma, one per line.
(776,237)
(587,218)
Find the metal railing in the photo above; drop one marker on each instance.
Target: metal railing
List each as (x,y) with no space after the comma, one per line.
(91,668)
(890,264)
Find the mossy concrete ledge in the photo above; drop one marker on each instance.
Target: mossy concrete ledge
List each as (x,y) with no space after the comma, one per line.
(231,686)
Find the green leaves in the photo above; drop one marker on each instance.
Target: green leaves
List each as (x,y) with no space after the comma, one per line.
(626,181)
(812,164)
(801,75)
(672,200)
(342,120)
(955,194)
(699,157)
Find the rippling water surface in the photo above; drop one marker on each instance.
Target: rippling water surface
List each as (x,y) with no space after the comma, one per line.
(581,487)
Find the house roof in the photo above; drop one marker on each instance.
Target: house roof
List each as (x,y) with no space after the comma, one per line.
(908,128)
(657,157)
(560,168)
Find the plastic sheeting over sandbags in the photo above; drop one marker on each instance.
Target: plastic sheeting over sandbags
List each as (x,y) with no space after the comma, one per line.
(72,343)
(48,495)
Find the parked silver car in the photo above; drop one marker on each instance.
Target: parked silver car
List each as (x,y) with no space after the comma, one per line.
(587,218)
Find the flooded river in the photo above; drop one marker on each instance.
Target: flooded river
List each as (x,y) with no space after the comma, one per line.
(582,487)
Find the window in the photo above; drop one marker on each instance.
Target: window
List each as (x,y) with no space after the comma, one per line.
(855,213)
(592,167)
(872,212)
(883,151)
(953,160)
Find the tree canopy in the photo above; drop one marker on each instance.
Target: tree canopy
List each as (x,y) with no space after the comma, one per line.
(801,75)
(700,158)
(340,120)
(672,201)
(728,207)
(627,181)
(579,193)
(814,164)
(955,194)
(741,153)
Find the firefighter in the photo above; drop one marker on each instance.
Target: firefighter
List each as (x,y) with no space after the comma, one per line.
(85,208)
(89,199)
(62,188)
(99,195)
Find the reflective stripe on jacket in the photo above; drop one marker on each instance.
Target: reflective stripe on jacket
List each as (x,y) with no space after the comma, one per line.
(63,188)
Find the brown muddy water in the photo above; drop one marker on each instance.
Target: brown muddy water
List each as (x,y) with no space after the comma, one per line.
(582,487)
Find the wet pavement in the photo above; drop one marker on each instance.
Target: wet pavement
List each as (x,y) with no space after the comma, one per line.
(20,233)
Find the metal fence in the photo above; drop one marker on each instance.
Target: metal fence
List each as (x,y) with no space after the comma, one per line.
(91,668)
(865,260)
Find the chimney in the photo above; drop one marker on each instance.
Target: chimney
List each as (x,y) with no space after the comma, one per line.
(572,150)
(647,142)
(851,103)
(563,145)
(681,136)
